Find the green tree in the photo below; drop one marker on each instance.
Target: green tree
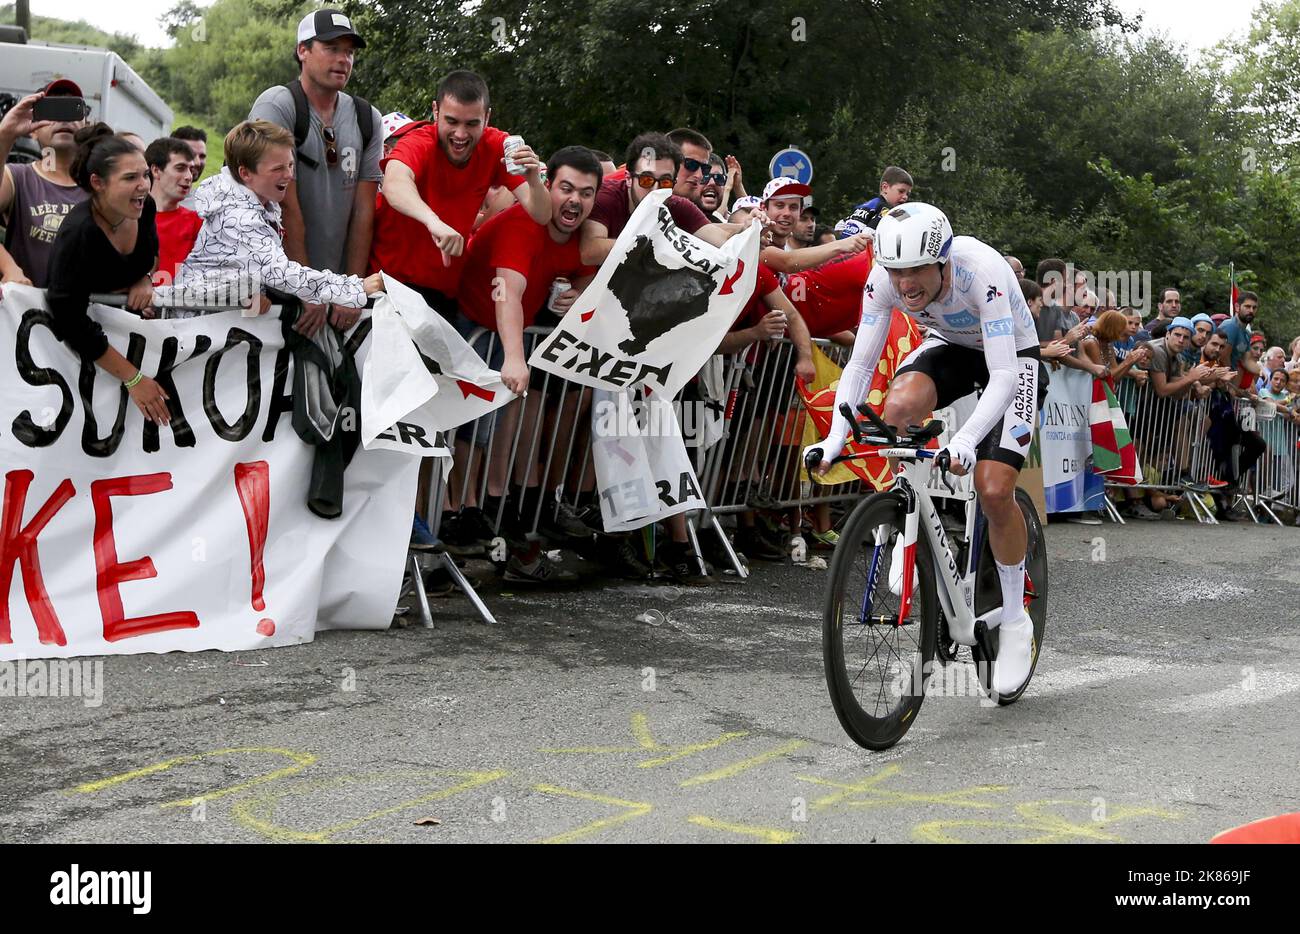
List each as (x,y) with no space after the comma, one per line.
(223,57)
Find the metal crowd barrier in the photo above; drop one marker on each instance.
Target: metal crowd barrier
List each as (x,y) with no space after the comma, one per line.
(546,441)
(1177,453)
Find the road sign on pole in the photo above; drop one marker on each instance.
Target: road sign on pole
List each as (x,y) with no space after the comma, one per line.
(791,163)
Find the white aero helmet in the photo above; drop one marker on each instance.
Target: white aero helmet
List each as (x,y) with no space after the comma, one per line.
(913,234)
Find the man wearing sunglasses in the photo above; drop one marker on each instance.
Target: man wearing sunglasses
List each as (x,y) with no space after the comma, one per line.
(713,192)
(653,161)
(696,151)
(330,206)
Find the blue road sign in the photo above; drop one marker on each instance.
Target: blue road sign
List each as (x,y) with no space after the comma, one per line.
(791,163)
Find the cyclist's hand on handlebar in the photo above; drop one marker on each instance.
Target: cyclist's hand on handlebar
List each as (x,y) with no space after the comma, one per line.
(961,459)
(818,459)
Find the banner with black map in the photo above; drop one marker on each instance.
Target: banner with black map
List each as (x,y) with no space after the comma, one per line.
(657,309)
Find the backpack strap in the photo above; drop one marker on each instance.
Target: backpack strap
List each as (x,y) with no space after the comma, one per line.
(365,120)
(301,122)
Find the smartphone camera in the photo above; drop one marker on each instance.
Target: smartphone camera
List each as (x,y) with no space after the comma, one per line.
(60,109)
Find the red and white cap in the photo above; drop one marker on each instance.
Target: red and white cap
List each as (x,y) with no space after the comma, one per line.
(782,187)
(395,121)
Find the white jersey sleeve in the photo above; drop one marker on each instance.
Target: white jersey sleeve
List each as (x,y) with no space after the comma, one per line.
(998,322)
(878,300)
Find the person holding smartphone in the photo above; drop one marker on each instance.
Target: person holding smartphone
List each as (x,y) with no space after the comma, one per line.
(36,198)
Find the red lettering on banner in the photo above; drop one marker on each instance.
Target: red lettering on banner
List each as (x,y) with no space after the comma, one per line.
(468,389)
(587,315)
(729,281)
(20,545)
(253,483)
(111,573)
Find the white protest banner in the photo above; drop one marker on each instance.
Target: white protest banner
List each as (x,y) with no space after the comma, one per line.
(404,403)
(643,473)
(119,536)
(657,309)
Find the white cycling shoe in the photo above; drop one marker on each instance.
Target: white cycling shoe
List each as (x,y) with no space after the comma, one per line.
(896,570)
(1015,655)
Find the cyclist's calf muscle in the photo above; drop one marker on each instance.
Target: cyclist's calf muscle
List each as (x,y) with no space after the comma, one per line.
(995,483)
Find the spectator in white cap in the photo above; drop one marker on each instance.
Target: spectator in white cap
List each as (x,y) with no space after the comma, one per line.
(743,209)
(782,205)
(395,124)
(329,210)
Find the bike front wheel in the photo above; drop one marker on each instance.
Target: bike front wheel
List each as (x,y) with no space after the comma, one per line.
(877,664)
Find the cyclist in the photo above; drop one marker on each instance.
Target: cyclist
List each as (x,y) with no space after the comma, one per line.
(981,335)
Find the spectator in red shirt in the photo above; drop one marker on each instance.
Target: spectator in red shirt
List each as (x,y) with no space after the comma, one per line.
(435,180)
(655,162)
(830,297)
(510,265)
(512,261)
(169,162)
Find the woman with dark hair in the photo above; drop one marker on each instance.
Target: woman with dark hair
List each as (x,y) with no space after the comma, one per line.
(107,243)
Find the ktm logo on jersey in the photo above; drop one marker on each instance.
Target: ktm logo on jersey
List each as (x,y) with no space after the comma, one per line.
(992,293)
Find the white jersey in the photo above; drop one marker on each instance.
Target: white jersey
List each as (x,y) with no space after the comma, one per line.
(983,309)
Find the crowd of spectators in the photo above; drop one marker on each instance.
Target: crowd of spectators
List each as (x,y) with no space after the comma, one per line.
(1203,399)
(318,192)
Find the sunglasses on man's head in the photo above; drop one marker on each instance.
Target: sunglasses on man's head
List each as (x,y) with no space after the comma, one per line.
(649,180)
(331,147)
(694,165)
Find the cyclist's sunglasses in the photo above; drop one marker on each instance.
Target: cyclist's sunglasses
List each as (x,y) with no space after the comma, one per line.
(331,147)
(648,180)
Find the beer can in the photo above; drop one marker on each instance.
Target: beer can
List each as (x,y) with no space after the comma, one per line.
(558,288)
(510,145)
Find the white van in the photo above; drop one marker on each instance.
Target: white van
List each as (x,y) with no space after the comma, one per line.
(115,93)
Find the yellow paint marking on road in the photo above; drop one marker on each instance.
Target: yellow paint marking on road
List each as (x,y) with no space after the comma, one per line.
(1046,827)
(301,761)
(730,771)
(646,742)
(681,752)
(883,797)
(635,809)
(641,731)
(766,834)
(255,813)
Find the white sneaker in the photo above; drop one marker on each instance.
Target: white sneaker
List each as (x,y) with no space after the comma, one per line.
(1015,655)
(896,570)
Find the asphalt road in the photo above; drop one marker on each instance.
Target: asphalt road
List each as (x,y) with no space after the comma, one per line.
(1166,708)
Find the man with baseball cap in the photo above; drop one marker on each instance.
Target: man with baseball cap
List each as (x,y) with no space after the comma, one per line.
(782,204)
(330,207)
(1202,328)
(36,197)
